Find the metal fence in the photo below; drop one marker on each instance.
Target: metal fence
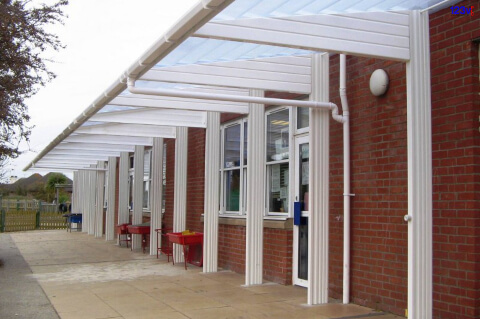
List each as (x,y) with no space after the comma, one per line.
(21,215)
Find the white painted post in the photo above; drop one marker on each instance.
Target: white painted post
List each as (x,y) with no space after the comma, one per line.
(212,186)
(319,185)
(111,198)
(255,192)
(91,185)
(99,200)
(74,201)
(138,163)
(180,188)
(123,212)
(419,139)
(156,192)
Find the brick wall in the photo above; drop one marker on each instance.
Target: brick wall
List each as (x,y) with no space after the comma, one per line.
(277,255)
(167,220)
(195,178)
(231,248)
(379,182)
(379,176)
(456,154)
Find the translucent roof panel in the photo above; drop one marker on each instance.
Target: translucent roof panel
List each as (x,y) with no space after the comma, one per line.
(201,51)
(245,9)
(115,108)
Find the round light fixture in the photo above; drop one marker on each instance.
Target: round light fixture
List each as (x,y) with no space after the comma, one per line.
(379,82)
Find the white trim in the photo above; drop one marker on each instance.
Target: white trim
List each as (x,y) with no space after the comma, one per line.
(255,193)
(318,227)
(111,199)
(156,192)
(180,188)
(419,138)
(123,213)
(212,200)
(99,200)
(137,214)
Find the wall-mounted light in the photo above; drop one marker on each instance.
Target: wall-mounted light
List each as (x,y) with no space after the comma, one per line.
(379,82)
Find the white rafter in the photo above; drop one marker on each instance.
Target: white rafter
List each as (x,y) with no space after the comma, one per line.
(129,129)
(153,117)
(377,34)
(290,74)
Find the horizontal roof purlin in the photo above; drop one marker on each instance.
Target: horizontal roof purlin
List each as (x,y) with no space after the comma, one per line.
(260,30)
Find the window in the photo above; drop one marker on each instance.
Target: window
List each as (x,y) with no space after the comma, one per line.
(233,170)
(147,179)
(303,117)
(130,182)
(277,161)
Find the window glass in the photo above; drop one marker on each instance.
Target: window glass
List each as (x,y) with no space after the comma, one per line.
(278,175)
(232,146)
(232,191)
(302,117)
(147,168)
(278,136)
(245,139)
(130,191)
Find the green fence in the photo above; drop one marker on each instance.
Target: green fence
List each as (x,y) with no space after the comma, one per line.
(29,215)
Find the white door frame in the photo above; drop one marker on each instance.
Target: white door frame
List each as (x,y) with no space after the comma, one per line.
(300,139)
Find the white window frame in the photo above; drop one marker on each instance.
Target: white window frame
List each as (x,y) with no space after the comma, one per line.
(131,165)
(148,179)
(291,178)
(242,168)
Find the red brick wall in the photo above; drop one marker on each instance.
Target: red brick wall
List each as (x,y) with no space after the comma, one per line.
(195,178)
(231,248)
(277,255)
(456,154)
(379,182)
(167,220)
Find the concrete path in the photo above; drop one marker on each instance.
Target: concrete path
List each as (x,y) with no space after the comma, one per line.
(86,277)
(21,296)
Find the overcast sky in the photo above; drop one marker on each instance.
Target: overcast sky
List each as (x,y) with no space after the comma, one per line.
(103,38)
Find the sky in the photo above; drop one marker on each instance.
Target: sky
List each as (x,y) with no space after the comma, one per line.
(103,39)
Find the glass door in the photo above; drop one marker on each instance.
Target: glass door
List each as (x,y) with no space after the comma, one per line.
(300,231)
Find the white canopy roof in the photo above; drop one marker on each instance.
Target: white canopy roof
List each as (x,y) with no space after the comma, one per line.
(229,47)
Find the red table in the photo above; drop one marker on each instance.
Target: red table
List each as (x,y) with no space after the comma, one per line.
(140,229)
(187,241)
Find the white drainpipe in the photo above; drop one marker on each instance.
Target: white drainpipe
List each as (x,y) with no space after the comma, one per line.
(346,179)
(231,98)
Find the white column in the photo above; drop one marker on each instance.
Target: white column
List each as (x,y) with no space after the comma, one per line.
(156,192)
(123,212)
(82,208)
(137,216)
(319,185)
(180,187)
(92,183)
(100,193)
(74,201)
(212,186)
(111,199)
(419,138)
(255,192)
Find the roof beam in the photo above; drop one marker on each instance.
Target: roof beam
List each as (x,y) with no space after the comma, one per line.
(377,34)
(95,146)
(83,152)
(98,138)
(276,74)
(147,101)
(129,130)
(153,117)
